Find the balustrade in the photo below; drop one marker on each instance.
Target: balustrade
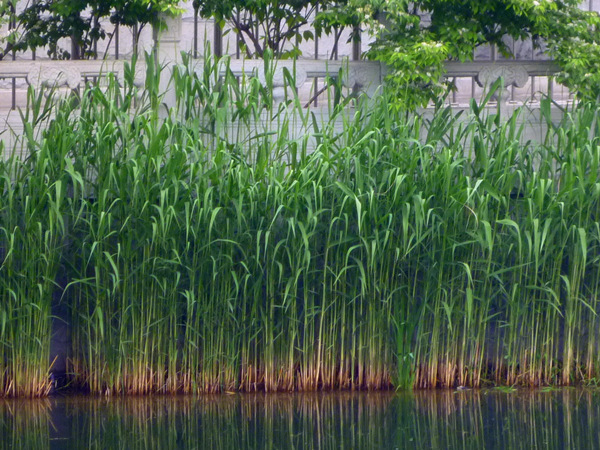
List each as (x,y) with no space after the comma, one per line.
(525,81)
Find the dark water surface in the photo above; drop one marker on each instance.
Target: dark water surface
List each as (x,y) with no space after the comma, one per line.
(567,418)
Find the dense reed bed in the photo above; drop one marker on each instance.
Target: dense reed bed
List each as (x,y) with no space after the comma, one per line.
(237,243)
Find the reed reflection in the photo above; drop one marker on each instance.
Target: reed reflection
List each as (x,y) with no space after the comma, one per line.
(566,418)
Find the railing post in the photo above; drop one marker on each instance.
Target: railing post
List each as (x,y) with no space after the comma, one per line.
(167,42)
(217,40)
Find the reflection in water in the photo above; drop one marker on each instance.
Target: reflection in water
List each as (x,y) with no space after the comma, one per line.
(567,418)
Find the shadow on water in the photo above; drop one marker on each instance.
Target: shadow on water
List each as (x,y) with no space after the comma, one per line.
(560,419)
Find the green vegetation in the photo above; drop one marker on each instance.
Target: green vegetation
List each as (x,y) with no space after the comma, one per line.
(274,25)
(31,228)
(215,249)
(415,38)
(45,23)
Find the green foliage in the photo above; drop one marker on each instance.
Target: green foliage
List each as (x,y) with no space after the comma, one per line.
(266,24)
(573,40)
(415,39)
(7,19)
(235,243)
(43,23)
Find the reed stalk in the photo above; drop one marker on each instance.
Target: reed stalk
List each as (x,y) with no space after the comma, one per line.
(237,243)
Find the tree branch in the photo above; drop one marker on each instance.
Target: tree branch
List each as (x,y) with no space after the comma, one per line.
(247,28)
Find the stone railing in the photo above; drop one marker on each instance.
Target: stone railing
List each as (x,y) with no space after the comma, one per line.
(471,79)
(70,75)
(524,80)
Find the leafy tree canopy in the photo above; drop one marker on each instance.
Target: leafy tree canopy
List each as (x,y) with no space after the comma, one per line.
(7,8)
(415,38)
(43,23)
(276,25)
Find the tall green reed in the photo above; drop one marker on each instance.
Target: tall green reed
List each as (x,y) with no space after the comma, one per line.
(32,235)
(239,243)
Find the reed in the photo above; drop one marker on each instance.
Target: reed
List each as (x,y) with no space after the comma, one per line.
(32,233)
(239,243)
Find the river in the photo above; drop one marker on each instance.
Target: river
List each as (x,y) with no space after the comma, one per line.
(521,419)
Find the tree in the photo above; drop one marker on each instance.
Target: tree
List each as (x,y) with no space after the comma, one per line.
(276,25)
(7,19)
(414,39)
(44,22)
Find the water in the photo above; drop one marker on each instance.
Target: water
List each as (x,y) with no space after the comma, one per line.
(568,418)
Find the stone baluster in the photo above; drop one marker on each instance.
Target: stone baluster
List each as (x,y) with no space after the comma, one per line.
(512,75)
(363,78)
(279,82)
(54,75)
(167,41)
